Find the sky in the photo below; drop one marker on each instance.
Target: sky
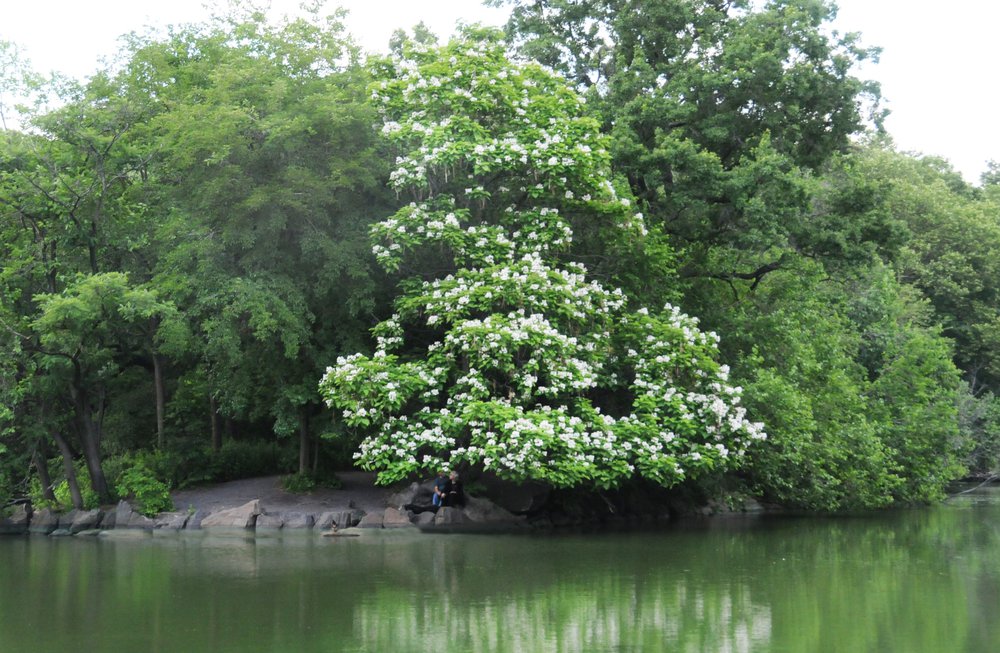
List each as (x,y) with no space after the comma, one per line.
(938,68)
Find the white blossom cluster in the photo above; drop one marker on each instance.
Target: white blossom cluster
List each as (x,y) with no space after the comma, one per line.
(536,230)
(504,364)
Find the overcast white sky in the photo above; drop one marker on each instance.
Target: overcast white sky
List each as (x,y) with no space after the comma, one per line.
(938,68)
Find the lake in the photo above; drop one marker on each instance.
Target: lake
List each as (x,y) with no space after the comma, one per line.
(922,580)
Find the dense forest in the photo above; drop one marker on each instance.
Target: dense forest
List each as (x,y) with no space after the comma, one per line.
(616,242)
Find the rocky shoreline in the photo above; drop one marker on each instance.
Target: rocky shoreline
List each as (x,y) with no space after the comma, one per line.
(262,506)
(360,505)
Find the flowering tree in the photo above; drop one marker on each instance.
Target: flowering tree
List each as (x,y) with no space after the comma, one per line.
(516,362)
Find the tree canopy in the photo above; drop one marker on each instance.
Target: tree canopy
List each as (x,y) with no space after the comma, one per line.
(613,245)
(516,362)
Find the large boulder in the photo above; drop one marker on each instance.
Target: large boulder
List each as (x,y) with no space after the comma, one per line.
(172,521)
(448,516)
(325,521)
(17,521)
(341,520)
(393,518)
(243,517)
(371,520)
(518,498)
(416,493)
(86,520)
(194,521)
(269,522)
(44,521)
(66,519)
(424,519)
(127,517)
(299,520)
(485,511)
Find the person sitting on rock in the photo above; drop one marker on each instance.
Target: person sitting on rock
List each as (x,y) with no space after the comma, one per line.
(454,493)
(440,489)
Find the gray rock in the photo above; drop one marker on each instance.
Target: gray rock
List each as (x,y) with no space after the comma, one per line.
(66,519)
(424,519)
(171,521)
(123,513)
(244,517)
(518,498)
(194,521)
(92,532)
(7,528)
(416,493)
(372,520)
(299,520)
(21,515)
(126,517)
(85,520)
(44,521)
(348,518)
(326,520)
(484,510)
(60,532)
(448,515)
(17,522)
(109,519)
(393,518)
(269,522)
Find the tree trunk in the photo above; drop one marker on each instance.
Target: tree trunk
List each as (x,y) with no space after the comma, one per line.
(315,460)
(69,470)
(213,410)
(42,467)
(90,437)
(303,441)
(160,400)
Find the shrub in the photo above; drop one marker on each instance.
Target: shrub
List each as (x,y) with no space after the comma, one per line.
(298,483)
(149,494)
(301,483)
(64,500)
(246,459)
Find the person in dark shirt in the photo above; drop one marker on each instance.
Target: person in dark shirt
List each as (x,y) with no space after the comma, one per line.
(440,489)
(454,492)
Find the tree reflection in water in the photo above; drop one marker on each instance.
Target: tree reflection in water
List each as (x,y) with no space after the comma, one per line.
(926,580)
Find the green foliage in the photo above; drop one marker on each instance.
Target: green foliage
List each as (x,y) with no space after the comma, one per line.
(63,497)
(520,362)
(148,494)
(979,423)
(197,219)
(717,112)
(192,463)
(300,483)
(916,407)
(238,459)
(822,452)
(823,364)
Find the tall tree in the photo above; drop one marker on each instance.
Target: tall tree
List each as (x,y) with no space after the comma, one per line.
(266,181)
(87,335)
(516,362)
(715,108)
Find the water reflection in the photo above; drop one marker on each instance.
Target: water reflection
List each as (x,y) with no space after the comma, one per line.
(923,580)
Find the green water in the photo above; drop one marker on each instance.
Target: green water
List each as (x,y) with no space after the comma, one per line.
(915,581)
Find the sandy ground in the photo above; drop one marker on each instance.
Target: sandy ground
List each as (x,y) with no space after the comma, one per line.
(359,491)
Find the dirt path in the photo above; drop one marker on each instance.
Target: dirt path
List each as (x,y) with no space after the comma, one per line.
(359,491)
